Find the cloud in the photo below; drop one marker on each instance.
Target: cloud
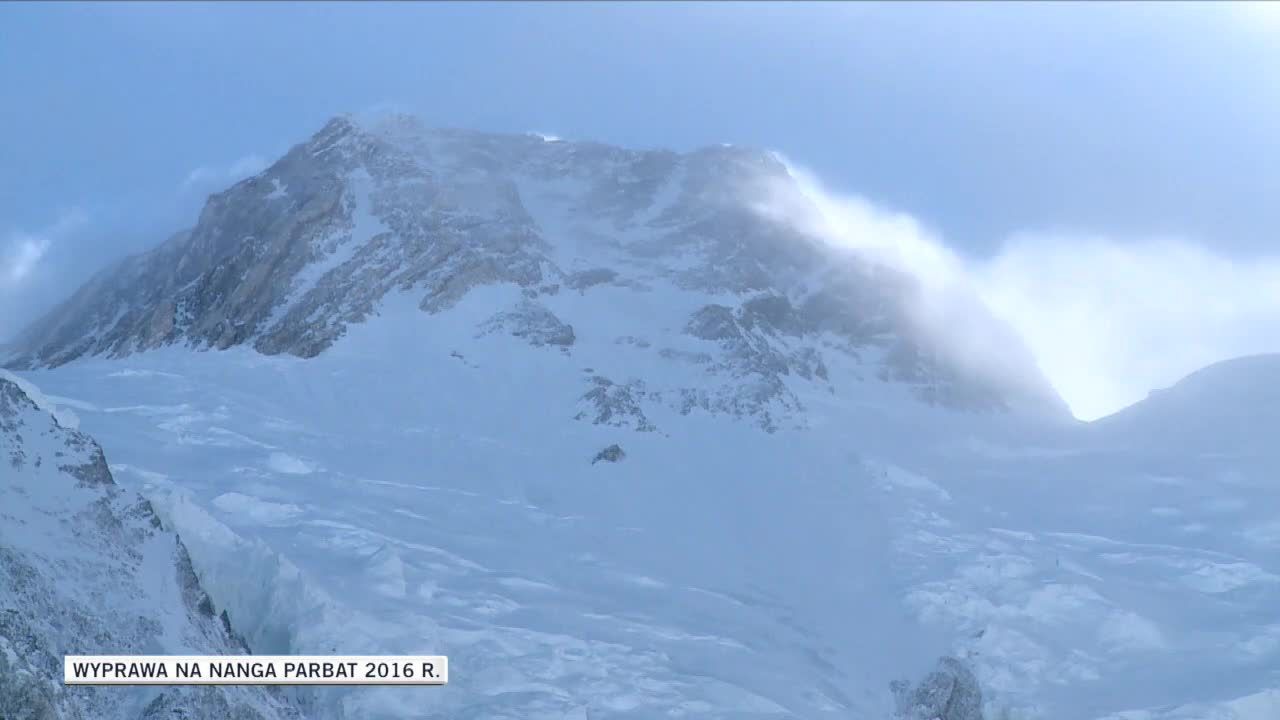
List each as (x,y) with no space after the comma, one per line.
(1261,15)
(22,251)
(206,176)
(892,238)
(381,111)
(947,307)
(1109,321)
(1106,319)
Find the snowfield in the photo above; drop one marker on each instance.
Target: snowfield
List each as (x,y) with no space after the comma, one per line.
(390,497)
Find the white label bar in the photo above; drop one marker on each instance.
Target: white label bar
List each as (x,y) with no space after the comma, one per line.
(255,670)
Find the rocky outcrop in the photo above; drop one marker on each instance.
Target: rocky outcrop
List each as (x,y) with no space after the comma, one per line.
(87,568)
(949,692)
(756,355)
(614,453)
(533,323)
(608,403)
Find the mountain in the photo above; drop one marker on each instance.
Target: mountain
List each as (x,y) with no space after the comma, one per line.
(667,255)
(624,445)
(388,496)
(1230,406)
(87,567)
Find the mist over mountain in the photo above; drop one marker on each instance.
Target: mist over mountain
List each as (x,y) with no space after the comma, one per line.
(631,434)
(287,260)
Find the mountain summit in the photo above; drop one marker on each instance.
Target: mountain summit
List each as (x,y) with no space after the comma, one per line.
(741,303)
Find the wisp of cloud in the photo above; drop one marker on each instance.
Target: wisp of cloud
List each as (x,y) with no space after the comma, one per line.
(22,251)
(207,176)
(1110,321)
(1106,320)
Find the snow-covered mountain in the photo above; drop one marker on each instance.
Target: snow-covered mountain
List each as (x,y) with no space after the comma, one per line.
(87,567)
(622,445)
(672,250)
(1227,408)
(715,570)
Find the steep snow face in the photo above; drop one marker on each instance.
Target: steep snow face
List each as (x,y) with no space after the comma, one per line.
(712,571)
(290,260)
(428,485)
(86,567)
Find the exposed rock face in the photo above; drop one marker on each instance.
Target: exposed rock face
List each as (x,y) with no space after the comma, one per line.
(754,342)
(533,323)
(288,260)
(614,453)
(950,692)
(86,568)
(608,403)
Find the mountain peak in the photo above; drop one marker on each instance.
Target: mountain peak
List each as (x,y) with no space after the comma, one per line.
(744,313)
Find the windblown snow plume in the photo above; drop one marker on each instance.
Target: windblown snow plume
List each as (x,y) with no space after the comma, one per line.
(753,315)
(1107,321)
(947,306)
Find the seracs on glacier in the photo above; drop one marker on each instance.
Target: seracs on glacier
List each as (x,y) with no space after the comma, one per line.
(87,567)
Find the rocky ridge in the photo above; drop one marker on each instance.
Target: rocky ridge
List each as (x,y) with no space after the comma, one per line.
(288,260)
(86,567)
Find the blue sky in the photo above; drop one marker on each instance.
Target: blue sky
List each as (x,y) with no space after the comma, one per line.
(986,123)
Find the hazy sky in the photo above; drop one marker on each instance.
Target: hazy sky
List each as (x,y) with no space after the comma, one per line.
(1033,141)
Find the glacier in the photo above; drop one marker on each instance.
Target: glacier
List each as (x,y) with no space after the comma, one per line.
(716,570)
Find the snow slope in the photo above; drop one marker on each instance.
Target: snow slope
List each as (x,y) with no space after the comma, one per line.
(336,512)
(419,488)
